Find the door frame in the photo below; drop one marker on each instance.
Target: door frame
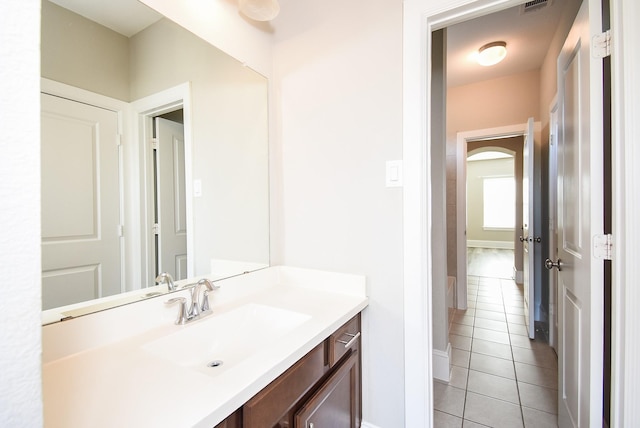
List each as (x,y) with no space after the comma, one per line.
(144,110)
(420,18)
(462,138)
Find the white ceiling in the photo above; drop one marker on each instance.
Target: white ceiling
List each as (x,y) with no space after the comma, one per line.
(126,17)
(528,37)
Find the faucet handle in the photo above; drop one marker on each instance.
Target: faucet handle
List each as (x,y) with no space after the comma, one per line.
(166,277)
(182,309)
(209,286)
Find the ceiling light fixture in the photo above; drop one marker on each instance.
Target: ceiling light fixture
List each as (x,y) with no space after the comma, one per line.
(492,53)
(259,10)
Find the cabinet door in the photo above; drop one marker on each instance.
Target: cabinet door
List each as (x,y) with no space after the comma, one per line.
(335,404)
(268,408)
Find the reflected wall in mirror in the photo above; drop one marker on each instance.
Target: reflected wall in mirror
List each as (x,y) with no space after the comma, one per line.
(103,201)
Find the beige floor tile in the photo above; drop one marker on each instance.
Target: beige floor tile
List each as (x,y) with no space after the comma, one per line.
(537,419)
(537,375)
(493,386)
(470,424)
(524,342)
(445,420)
(461,330)
(490,315)
(516,319)
(541,357)
(492,365)
(490,292)
(448,399)
(538,397)
(463,319)
(490,307)
(460,342)
(491,335)
(459,377)
(514,310)
(518,329)
(502,414)
(471,304)
(494,349)
(460,357)
(491,324)
(494,300)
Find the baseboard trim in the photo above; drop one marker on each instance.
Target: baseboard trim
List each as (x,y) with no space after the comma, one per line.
(519,275)
(442,364)
(501,245)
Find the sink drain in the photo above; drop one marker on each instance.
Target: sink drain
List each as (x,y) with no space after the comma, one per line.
(215,363)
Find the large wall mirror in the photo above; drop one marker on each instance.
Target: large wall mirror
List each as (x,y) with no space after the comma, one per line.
(154,157)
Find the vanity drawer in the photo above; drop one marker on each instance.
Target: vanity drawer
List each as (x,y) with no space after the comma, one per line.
(344,339)
(271,404)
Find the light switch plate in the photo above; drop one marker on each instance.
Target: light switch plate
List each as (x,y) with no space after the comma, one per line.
(394,173)
(197,188)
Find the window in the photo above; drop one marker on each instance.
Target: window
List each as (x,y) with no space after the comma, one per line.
(499,202)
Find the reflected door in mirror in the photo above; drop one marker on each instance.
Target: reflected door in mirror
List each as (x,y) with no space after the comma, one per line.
(80,202)
(171,236)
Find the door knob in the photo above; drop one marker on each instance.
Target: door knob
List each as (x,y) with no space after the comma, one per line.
(550,264)
(537,239)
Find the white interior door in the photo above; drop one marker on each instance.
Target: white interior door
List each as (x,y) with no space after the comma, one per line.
(80,202)
(171,198)
(580,218)
(527,228)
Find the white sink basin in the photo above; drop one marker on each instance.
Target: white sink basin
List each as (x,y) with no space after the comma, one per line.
(228,338)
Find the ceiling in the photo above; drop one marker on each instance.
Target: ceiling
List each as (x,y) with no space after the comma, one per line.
(123,16)
(528,36)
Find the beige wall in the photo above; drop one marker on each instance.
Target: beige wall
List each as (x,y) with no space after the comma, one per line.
(81,53)
(230,134)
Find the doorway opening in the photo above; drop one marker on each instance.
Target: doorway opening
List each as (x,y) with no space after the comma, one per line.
(169,195)
(163,130)
(493,195)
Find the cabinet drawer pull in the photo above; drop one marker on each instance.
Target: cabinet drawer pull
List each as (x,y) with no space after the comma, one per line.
(353,337)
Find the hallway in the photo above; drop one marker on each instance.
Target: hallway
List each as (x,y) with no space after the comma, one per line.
(499,378)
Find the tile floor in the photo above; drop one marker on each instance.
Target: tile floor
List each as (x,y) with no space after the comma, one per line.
(499,378)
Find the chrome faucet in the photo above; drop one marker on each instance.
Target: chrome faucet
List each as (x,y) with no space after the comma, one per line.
(198,307)
(166,277)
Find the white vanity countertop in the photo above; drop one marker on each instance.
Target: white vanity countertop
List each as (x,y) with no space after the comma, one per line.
(96,372)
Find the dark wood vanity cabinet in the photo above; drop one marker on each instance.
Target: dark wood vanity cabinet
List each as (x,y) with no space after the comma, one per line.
(321,390)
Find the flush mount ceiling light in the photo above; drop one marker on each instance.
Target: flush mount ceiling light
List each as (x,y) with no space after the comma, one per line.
(492,53)
(259,10)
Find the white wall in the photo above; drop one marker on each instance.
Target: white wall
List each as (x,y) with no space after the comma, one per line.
(338,79)
(20,347)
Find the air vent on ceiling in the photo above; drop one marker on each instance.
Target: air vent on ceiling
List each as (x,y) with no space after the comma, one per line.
(535,5)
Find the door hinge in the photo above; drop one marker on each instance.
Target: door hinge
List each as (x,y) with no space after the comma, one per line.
(603,247)
(601,44)
(154,143)
(155,229)
(119,140)
(120,230)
